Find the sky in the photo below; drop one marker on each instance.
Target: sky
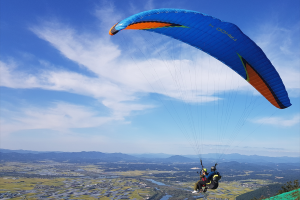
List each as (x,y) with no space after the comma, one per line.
(67,85)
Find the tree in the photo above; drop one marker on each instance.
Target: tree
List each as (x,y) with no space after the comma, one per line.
(289,186)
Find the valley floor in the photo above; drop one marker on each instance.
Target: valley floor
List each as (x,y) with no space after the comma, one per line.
(53,180)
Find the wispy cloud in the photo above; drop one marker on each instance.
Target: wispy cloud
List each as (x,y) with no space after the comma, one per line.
(279,121)
(60,116)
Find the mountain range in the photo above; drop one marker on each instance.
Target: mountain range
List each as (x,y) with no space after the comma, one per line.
(93,156)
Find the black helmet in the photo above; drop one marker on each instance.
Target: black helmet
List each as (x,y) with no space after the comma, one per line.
(213,168)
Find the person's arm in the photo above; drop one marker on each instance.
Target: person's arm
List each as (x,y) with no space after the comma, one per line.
(209,175)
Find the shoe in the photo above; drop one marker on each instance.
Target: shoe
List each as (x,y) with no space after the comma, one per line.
(205,190)
(195,191)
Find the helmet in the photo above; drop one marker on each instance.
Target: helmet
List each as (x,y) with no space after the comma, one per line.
(204,169)
(213,168)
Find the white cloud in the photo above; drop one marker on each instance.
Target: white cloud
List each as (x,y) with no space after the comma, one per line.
(279,121)
(15,80)
(113,95)
(92,52)
(60,116)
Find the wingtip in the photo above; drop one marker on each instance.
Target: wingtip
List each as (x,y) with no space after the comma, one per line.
(113,31)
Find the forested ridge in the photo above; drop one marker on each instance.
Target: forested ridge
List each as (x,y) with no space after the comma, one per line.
(266,191)
(270,191)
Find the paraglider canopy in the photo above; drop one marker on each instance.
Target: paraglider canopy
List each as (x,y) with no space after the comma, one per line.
(222,40)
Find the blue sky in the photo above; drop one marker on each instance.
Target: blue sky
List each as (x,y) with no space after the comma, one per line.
(67,85)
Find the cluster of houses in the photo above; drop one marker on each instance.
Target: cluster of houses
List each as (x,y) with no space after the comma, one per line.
(36,187)
(251,185)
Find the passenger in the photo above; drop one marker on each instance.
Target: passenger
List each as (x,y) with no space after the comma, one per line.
(201,183)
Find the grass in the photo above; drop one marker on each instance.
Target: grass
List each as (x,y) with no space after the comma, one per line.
(27,183)
(136,194)
(132,173)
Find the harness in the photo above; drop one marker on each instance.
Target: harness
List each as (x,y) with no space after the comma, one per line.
(214,182)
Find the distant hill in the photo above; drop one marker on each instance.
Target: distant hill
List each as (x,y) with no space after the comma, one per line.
(67,156)
(152,155)
(179,159)
(23,151)
(84,156)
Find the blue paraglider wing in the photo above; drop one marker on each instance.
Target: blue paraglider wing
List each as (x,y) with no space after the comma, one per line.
(222,40)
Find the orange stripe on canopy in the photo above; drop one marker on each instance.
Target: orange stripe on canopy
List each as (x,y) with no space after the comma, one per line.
(148,25)
(256,81)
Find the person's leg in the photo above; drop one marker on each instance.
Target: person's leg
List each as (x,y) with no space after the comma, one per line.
(201,184)
(196,185)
